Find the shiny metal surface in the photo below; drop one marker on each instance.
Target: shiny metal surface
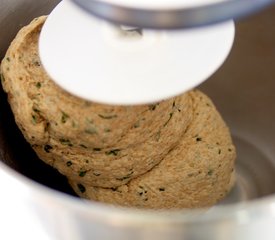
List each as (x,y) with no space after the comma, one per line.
(243,91)
(173,18)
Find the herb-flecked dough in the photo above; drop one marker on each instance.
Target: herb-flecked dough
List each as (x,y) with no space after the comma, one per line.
(176,153)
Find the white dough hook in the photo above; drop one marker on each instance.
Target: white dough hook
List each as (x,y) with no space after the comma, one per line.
(89,58)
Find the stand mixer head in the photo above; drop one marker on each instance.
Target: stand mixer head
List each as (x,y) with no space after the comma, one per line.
(173,14)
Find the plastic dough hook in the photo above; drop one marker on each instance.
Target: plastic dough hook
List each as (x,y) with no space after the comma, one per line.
(99,61)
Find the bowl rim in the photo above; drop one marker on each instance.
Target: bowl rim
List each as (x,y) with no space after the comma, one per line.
(234,213)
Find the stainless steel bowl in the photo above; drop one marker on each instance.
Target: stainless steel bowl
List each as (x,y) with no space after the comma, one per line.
(243,90)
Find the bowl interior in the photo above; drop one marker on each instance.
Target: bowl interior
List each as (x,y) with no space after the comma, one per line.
(242,89)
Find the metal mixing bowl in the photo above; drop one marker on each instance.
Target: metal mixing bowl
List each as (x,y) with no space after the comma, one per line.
(243,91)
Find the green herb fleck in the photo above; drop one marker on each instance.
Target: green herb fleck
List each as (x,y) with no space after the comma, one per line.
(141,191)
(170,116)
(65,142)
(69,163)
(83,146)
(210,172)
(113,152)
(158,135)
(97,149)
(64,117)
(89,121)
(153,107)
(34,119)
(90,130)
(37,63)
(87,104)
(81,188)
(198,139)
(220,151)
(174,104)
(2,77)
(137,124)
(107,116)
(125,177)
(107,130)
(48,148)
(8,59)
(82,173)
(36,110)
(162,189)
(38,85)
(73,124)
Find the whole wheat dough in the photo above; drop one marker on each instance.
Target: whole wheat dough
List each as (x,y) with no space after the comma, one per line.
(176,153)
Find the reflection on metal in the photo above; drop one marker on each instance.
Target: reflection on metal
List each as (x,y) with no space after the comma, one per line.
(173,18)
